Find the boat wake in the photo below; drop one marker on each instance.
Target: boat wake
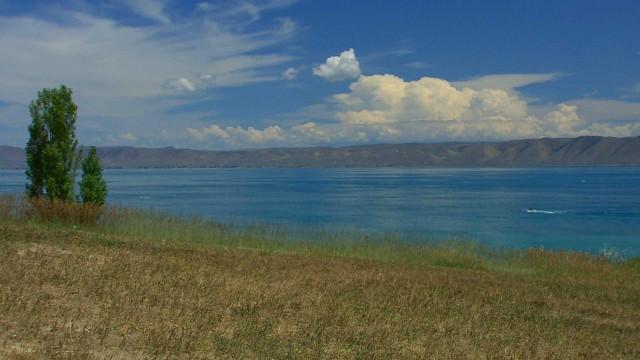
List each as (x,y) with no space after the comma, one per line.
(545,211)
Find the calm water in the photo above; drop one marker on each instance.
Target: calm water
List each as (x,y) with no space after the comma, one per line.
(578,208)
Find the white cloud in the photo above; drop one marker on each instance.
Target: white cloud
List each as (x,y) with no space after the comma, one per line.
(342,67)
(103,57)
(506,81)
(436,106)
(600,129)
(387,108)
(418,65)
(290,73)
(390,99)
(150,9)
(236,135)
(128,136)
(212,131)
(114,139)
(126,74)
(599,110)
(180,84)
(563,121)
(243,13)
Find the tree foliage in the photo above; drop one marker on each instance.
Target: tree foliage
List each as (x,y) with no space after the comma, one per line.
(52,156)
(38,140)
(93,188)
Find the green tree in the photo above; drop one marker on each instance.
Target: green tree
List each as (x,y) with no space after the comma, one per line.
(38,140)
(52,156)
(93,188)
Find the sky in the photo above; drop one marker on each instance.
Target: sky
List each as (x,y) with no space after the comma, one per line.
(279,73)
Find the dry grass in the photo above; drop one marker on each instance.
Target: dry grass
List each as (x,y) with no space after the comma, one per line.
(18,207)
(91,293)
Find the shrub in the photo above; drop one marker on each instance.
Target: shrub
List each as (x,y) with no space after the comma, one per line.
(93,188)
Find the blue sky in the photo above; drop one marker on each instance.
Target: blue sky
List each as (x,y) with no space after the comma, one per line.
(245,74)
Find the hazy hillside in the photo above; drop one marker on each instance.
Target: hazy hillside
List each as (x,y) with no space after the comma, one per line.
(11,157)
(587,150)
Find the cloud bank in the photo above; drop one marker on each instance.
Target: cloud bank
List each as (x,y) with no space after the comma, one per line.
(387,108)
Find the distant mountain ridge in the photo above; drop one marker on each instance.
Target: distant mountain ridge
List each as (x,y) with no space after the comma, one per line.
(585,150)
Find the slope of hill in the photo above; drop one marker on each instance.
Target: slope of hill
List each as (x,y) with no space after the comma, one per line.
(586,150)
(139,286)
(11,157)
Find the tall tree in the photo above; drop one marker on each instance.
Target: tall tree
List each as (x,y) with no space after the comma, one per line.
(52,155)
(93,188)
(38,140)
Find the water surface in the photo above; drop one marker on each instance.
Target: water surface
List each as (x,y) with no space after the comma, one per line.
(581,209)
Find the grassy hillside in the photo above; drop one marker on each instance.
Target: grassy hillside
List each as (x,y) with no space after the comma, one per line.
(130,287)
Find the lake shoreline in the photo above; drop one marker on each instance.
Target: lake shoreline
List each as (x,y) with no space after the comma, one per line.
(578,208)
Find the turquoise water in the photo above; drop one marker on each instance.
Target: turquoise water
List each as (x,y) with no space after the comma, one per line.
(584,209)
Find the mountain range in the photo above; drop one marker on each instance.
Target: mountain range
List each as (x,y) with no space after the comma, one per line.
(580,151)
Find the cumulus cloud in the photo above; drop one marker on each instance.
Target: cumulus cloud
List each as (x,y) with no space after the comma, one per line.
(305,134)
(387,108)
(612,130)
(390,99)
(563,121)
(290,73)
(237,135)
(603,110)
(115,139)
(437,106)
(342,67)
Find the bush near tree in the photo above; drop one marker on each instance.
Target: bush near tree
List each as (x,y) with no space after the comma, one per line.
(93,188)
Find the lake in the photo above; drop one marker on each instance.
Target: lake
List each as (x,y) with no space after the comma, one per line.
(584,209)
